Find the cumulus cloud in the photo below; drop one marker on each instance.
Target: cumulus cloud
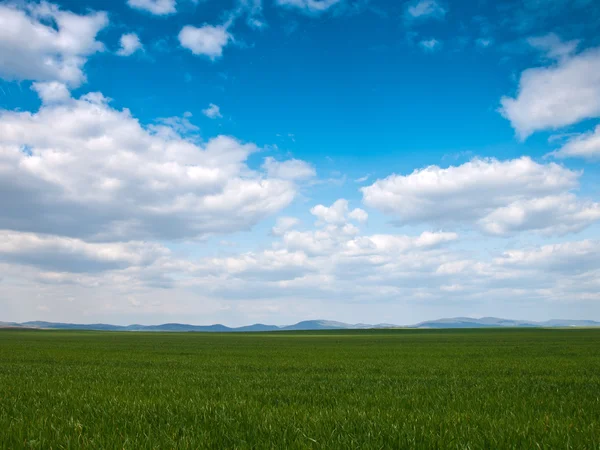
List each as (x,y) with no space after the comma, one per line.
(156,7)
(425,9)
(207,40)
(74,255)
(556,96)
(283,225)
(338,213)
(551,215)
(82,169)
(499,197)
(292,169)
(212,112)
(584,145)
(309,6)
(360,215)
(52,91)
(41,42)
(334,261)
(337,241)
(567,257)
(313,260)
(130,43)
(266,266)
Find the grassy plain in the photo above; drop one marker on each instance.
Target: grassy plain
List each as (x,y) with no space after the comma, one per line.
(508,388)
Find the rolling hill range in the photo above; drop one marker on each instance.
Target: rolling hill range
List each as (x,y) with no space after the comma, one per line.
(457,322)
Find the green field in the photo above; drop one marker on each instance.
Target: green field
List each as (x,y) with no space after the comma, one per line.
(508,388)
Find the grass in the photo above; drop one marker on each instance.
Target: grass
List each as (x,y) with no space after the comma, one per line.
(459,389)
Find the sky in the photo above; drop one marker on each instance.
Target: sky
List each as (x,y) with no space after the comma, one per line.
(271,161)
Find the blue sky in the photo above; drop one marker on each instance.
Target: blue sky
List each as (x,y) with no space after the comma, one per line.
(279,160)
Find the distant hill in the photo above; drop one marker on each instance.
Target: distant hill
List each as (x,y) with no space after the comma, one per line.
(456,322)
(494,322)
(318,325)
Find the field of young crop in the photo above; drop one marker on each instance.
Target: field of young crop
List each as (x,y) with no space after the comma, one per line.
(336,389)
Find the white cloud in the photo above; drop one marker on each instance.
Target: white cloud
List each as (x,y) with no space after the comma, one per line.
(425,9)
(309,6)
(430,45)
(556,96)
(207,40)
(360,215)
(322,260)
(499,197)
(52,91)
(567,257)
(212,112)
(74,255)
(553,46)
(283,225)
(266,266)
(41,42)
(337,239)
(130,43)
(292,169)
(156,7)
(584,145)
(83,169)
(552,215)
(336,214)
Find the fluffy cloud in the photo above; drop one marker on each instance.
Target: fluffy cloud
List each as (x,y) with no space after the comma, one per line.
(585,145)
(338,213)
(300,260)
(207,40)
(74,255)
(335,245)
(292,169)
(80,168)
(425,9)
(567,257)
(333,261)
(309,6)
(499,197)
(130,43)
(212,112)
(378,274)
(556,96)
(266,266)
(44,43)
(283,225)
(156,7)
(360,215)
(52,91)
(551,215)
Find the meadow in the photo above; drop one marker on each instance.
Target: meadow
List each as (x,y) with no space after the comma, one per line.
(459,389)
